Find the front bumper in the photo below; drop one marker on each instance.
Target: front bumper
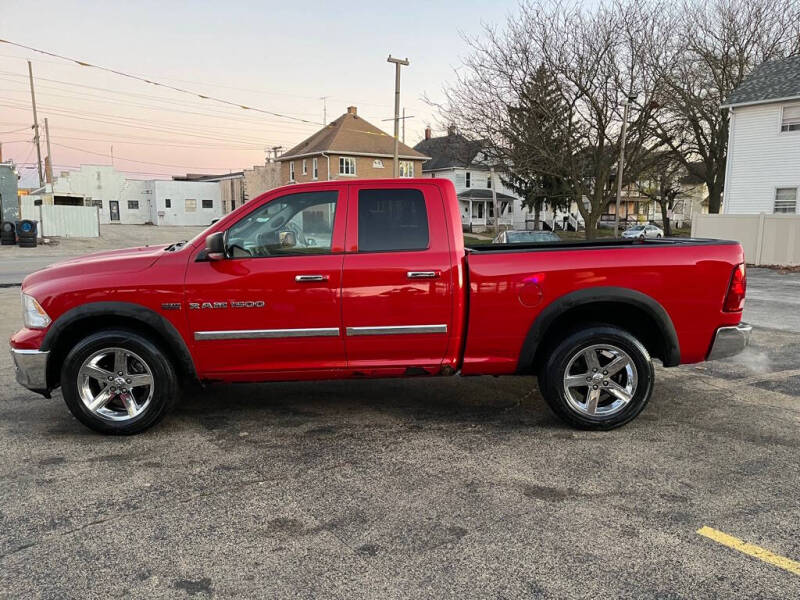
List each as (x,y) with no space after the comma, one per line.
(31,366)
(729,341)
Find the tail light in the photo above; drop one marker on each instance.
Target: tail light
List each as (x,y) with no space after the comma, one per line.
(734,299)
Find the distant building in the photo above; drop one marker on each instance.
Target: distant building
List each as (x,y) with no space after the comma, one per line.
(464,162)
(135,201)
(347,148)
(763,168)
(261,178)
(9,201)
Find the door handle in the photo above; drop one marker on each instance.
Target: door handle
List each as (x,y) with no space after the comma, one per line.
(310,278)
(422,274)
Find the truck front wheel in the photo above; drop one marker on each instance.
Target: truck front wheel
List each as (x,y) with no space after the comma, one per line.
(599,377)
(118,382)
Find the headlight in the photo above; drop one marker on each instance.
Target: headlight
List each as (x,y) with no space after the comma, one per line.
(33,315)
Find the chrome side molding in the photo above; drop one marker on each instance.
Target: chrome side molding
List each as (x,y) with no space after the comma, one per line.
(396,330)
(251,334)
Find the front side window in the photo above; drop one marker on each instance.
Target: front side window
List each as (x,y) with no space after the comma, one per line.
(291,170)
(489,182)
(191,205)
(305,167)
(406,168)
(315,169)
(167,203)
(296,224)
(347,165)
(392,220)
(208,204)
(133,205)
(469,179)
(790,118)
(786,200)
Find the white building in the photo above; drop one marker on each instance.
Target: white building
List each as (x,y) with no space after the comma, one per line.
(763,168)
(137,201)
(463,162)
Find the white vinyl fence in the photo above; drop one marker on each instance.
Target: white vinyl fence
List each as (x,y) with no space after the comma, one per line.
(766,239)
(63,221)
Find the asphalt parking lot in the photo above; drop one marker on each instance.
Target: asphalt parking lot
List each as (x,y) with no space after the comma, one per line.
(449,488)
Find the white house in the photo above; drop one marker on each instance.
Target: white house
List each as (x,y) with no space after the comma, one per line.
(463,162)
(763,168)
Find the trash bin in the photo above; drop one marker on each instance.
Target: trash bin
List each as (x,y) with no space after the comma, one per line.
(27,232)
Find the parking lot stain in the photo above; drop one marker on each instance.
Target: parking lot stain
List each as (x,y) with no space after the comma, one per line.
(547,493)
(194,587)
(53,460)
(789,386)
(368,549)
(750,549)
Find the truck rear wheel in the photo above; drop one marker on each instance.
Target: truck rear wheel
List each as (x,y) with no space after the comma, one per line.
(118,382)
(599,377)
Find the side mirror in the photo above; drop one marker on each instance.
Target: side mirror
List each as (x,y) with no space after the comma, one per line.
(215,246)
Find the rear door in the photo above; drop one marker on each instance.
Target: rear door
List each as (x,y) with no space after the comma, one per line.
(397,291)
(274,304)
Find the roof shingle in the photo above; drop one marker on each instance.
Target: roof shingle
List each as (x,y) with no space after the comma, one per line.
(350,134)
(770,81)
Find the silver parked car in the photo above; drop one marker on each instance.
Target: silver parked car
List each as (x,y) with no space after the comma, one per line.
(525,237)
(643,231)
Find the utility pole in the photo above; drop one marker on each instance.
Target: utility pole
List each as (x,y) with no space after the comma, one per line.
(404,125)
(494,204)
(397,64)
(324,109)
(621,164)
(36,128)
(48,162)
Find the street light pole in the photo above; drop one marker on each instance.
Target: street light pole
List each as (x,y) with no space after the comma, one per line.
(397,64)
(621,164)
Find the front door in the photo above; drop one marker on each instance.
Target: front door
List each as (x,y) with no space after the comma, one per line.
(397,304)
(274,304)
(113,206)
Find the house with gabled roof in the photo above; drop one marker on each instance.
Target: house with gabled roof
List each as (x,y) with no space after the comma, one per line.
(763,166)
(348,148)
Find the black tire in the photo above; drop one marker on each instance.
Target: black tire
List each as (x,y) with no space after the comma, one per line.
(162,373)
(553,385)
(658,237)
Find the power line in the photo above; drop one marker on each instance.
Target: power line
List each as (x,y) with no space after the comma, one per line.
(156,83)
(143,162)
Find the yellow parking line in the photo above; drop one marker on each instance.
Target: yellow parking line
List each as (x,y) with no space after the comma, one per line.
(756,551)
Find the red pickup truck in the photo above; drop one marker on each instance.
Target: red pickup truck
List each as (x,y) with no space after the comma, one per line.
(371,279)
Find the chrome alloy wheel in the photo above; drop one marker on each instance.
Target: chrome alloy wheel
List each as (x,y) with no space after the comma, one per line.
(115,384)
(600,380)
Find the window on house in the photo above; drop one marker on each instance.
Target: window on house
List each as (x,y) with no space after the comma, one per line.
(314,168)
(786,200)
(489,182)
(790,119)
(406,168)
(191,205)
(304,167)
(291,170)
(208,204)
(95,203)
(167,203)
(469,179)
(133,205)
(392,220)
(347,165)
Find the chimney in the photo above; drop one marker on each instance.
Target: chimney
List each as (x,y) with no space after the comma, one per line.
(352,110)
(428,133)
(451,129)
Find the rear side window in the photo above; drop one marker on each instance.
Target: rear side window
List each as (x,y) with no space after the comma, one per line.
(392,220)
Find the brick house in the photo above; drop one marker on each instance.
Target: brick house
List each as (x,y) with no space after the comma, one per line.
(347,148)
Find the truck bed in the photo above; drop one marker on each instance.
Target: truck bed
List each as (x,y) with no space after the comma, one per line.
(512,285)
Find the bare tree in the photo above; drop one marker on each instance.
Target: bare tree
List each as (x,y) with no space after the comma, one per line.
(713,46)
(660,182)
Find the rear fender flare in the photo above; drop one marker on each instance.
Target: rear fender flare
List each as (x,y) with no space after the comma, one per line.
(587,296)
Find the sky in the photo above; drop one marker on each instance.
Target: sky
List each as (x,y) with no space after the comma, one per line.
(277,56)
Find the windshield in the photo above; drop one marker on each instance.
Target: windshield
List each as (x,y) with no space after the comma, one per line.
(520,237)
(636,228)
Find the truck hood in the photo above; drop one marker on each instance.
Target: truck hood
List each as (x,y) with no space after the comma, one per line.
(126,260)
